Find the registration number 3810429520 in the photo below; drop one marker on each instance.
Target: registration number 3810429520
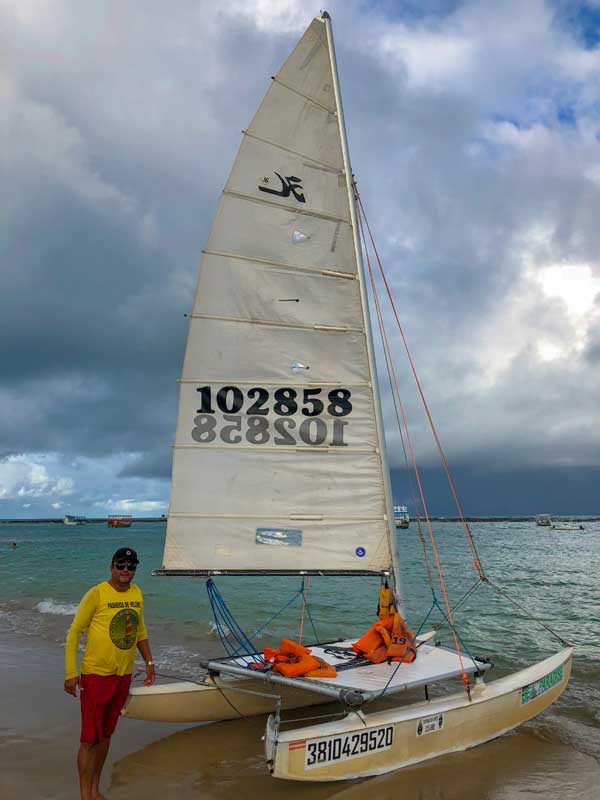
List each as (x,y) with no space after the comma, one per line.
(348,745)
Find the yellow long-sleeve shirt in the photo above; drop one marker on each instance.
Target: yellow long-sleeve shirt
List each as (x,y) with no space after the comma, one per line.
(114,622)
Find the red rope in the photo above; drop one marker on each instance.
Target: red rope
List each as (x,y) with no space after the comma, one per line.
(476,561)
(464,676)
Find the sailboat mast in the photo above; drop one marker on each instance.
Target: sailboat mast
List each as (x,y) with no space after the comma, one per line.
(366,317)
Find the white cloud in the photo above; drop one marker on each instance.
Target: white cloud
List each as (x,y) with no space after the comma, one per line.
(28,476)
(283,16)
(129,506)
(574,284)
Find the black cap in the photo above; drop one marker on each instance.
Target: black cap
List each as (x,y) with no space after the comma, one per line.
(124,553)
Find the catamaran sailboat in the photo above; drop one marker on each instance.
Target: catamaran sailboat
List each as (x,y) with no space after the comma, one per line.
(279,461)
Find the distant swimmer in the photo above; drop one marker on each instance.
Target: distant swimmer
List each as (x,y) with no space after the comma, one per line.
(14,545)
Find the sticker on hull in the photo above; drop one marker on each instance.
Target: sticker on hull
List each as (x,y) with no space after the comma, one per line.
(537,688)
(430,724)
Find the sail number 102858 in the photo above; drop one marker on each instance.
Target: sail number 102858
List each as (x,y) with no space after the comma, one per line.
(258,416)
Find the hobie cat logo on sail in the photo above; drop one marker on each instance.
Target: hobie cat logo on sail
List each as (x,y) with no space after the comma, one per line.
(289,185)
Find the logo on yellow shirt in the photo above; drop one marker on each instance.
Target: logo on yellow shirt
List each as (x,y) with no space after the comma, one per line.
(123,628)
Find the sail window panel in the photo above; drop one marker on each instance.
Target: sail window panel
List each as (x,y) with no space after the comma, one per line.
(230,287)
(308,68)
(255,230)
(274,176)
(222,544)
(267,483)
(292,121)
(288,416)
(228,351)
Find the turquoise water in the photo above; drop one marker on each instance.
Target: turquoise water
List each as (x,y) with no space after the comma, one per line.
(553,574)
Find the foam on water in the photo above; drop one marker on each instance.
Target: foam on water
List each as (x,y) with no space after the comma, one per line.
(50,606)
(214,631)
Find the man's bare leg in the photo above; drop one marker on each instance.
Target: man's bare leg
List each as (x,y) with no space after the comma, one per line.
(86,763)
(100,753)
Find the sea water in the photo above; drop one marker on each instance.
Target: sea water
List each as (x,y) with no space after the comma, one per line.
(551,575)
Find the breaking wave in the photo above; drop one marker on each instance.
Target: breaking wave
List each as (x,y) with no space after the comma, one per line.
(50,606)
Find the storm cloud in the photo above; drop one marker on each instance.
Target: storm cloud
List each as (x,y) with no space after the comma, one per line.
(473,131)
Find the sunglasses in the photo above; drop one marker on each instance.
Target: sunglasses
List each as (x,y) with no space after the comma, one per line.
(131,565)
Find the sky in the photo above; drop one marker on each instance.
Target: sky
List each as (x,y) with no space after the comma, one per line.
(474,131)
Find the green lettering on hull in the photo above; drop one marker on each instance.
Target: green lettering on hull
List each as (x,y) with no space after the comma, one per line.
(533,690)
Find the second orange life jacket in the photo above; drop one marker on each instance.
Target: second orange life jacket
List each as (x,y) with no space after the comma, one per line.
(388,638)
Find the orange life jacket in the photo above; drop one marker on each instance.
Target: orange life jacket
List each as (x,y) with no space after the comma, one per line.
(293,659)
(324,670)
(402,644)
(385,606)
(370,640)
(293,648)
(302,666)
(388,638)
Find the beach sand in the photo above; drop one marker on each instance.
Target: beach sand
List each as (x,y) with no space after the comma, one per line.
(40,725)
(39,734)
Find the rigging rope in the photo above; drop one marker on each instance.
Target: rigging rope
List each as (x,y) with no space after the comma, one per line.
(395,398)
(527,614)
(464,676)
(228,628)
(225,621)
(482,577)
(476,561)
(304,600)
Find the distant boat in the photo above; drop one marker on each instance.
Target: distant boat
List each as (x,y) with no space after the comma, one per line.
(567,526)
(72,520)
(401,516)
(544,520)
(119,521)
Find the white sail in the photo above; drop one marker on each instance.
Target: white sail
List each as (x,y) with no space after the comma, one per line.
(277,462)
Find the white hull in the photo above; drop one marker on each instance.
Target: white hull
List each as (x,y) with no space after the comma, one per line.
(420,731)
(211,701)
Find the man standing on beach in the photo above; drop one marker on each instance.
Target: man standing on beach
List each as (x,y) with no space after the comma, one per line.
(112,614)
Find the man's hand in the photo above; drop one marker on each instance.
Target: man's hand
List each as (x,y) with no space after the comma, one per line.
(71,685)
(150,675)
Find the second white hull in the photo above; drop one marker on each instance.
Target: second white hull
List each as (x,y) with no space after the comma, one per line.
(361,745)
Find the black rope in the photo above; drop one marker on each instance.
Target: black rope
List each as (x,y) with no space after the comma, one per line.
(331,715)
(467,594)
(521,608)
(312,624)
(221,689)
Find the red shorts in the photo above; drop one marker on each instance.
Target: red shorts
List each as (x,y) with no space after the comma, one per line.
(102,697)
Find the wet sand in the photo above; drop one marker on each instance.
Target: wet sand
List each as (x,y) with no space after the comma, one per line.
(40,725)
(39,732)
